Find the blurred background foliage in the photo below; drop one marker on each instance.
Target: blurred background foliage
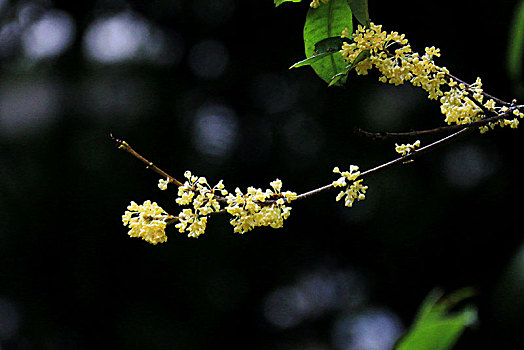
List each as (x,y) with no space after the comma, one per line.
(204,85)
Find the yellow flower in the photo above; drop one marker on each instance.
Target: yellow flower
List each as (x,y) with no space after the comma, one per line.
(162,184)
(197,192)
(191,222)
(355,191)
(316,3)
(146,221)
(407,148)
(252,209)
(350,175)
(459,102)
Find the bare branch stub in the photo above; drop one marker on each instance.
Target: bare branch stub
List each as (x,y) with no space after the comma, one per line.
(149,165)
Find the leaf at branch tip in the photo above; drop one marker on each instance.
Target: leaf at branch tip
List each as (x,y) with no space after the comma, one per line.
(309,61)
(280,2)
(435,327)
(323,48)
(327,21)
(361,57)
(360,11)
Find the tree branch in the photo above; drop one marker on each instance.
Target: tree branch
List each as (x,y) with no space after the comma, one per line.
(399,160)
(442,129)
(126,147)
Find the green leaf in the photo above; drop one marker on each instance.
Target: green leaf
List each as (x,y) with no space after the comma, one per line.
(324,22)
(330,44)
(280,2)
(343,75)
(360,11)
(516,45)
(435,327)
(311,60)
(323,48)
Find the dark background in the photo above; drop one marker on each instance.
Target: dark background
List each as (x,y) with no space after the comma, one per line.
(204,85)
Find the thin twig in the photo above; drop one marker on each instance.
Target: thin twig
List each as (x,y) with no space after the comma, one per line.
(126,147)
(399,160)
(442,129)
(418,152)
(386,134)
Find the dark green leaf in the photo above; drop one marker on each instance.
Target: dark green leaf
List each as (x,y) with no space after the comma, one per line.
(311,60)
(323,48)
(360,10)
(330,44)
(342,75)
(326,21)
(435,327)
(516,45)
(279,2)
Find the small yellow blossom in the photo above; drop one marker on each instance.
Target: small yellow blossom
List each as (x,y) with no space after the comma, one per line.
(457,105)
(513,123)
(191,222)
(316,3)
(350,175)
(259,208)
(162,184)
(197,192)
(355,191)
(146,221)
(490,105)
(407,148)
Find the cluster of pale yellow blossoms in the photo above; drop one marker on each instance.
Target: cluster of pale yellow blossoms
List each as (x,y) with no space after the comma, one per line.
(252,209)
(259,208)
(355,191)
(406,148)
(460,103)
(316,3)
(249,210)
(197,192)
(147,221)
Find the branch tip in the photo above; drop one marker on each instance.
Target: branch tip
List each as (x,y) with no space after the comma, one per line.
(121,143)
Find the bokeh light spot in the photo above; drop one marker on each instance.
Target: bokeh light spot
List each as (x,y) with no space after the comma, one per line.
(128,37)
(10,319)
(313,295)
(215,130)
(467,165)
(371,329)
(50,36)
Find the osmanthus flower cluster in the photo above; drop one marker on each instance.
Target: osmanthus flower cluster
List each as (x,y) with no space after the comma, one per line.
(254,208)
(249,210)
(392,55)
(354,189)
(196,192)
(147,221)
(259,208)
(406,148)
